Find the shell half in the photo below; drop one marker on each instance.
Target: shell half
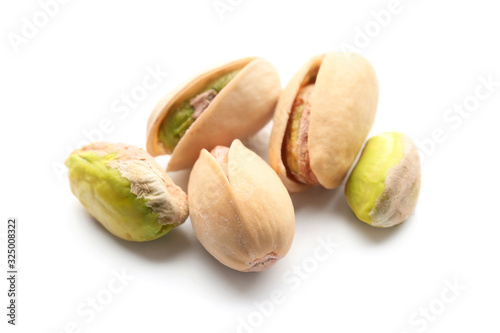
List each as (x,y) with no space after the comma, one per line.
(343,108)
(245,220)
(242,107)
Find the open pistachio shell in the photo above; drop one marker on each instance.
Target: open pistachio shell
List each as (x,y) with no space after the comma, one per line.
(342,111)
(383,187)
(239,110)
(124,188)
(240,210)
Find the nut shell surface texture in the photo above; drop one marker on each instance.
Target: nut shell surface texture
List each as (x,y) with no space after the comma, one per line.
(240,210)
(239,110)
(342,111)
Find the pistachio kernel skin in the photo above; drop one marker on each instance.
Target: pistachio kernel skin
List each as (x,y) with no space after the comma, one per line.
(383,187)
(124,188)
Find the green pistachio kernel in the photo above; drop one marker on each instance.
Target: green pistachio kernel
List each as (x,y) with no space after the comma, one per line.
(173,128)
(384,185)
(105,178)
(177,122)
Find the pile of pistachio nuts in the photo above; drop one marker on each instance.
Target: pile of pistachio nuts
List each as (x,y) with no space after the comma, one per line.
(239,205)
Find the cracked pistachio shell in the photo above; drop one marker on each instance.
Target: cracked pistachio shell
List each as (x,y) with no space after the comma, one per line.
(384,185)
(124,188)
(240,110)
(343,107)
(245,219)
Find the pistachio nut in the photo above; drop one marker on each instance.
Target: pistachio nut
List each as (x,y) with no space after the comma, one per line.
(124,188)
(322,119)
(384,185)
(231,101)
(240,210)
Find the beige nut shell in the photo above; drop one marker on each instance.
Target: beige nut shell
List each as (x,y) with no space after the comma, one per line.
(343,109)
(245,220)
(242,108)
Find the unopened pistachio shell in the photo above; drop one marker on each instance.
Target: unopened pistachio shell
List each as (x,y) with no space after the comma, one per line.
(384,185)
(240,210)
(335,115)
(231,101)
(124,188)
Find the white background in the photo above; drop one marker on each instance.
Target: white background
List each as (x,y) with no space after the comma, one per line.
(64,80)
